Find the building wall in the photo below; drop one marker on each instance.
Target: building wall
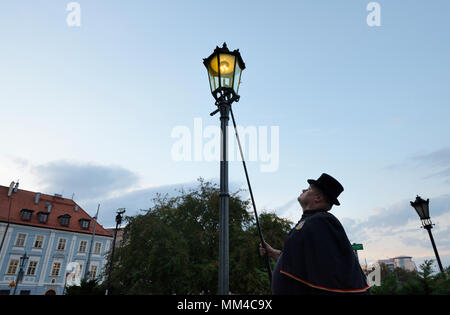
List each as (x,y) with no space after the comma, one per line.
(47,257)
(405,262)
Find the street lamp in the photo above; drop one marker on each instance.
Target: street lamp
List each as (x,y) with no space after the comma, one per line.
(422,208)
(224,71)
(23,261)
(119,215)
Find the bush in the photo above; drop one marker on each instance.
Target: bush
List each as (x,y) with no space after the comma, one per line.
(423,282)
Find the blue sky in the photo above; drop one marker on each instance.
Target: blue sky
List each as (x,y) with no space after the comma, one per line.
(90,110)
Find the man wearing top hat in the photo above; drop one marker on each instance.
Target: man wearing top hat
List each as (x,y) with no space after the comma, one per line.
(317,257)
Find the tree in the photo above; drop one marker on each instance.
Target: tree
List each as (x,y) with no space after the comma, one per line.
(86,287)
(423,282)
(172,248)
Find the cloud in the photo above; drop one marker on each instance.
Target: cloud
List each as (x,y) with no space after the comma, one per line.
(434,164)
(85,180)
(141,199)
(438,158)
(133,202)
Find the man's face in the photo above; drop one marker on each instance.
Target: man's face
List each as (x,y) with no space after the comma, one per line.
(306,197)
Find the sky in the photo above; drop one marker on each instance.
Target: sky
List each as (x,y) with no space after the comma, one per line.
(96,97)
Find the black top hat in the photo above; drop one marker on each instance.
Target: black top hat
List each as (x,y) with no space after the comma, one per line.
(329,185)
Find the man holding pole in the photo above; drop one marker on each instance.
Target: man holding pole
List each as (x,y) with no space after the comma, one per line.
(317,257)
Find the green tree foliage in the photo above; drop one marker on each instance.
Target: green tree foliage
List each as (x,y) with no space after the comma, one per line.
(86,287)
(172,248)
(422,282)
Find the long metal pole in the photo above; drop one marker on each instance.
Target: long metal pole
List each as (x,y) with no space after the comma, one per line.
(224,195)
(17,280)
(266,256)
(428,228)
(87,272)
(108,281)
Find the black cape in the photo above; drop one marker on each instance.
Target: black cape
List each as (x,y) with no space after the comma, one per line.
(318,254)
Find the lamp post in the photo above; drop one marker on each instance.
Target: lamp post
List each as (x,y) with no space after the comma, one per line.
(119,215)
(224,72)
(87,273)
(422,208)
(23,261)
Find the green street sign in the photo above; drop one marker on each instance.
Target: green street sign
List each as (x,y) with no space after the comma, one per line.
(357,246)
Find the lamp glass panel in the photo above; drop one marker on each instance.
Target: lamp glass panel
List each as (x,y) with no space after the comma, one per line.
(419,210)
(237,78)
(23,260)
(226,68)
(426,209)
(213,74)
(421,207)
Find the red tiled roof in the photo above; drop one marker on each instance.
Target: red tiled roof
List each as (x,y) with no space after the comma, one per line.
(24,199)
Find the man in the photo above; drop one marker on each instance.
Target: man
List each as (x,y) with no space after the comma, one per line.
(317,257)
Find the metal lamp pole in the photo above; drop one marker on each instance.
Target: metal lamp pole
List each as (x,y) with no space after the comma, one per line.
(23,261)
(87,273)
(224,196)
(224,72)
(428,227)
(120,212)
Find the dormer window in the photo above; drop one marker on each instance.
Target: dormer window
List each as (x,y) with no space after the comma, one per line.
(25,214)
(64,219)
(84,223)
(42,217)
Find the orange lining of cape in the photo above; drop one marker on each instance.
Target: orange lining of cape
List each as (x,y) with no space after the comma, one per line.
(323,288)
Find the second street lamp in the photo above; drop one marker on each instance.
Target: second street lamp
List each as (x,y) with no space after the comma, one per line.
(119,217)
(224,71)
(23,262)
(423,210)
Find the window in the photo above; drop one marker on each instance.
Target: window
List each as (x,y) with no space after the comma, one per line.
(12,268)
(42,217)
(82,248)
(64,220)
(97,248)
(84,223)
(55,269)
(25,214)
(93,272)
(32,266)
(20,240)
(38,241)
(61,244)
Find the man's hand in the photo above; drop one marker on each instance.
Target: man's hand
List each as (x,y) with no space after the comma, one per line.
(272,252)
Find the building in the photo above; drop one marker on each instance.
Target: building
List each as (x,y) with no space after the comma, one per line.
(404,262)
(55,233)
